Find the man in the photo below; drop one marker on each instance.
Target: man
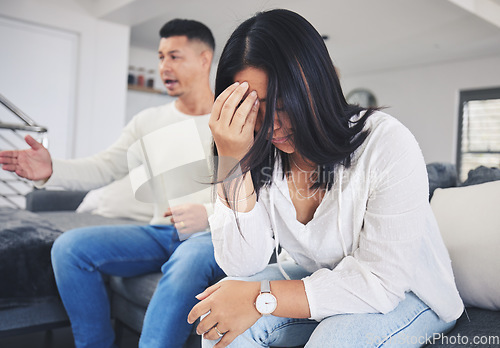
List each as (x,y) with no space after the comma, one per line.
(80,257)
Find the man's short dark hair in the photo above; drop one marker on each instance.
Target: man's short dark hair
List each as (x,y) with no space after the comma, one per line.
(194,30)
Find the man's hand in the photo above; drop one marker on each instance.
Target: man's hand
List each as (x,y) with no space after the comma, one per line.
(34,163)
(188,218)
(231,307)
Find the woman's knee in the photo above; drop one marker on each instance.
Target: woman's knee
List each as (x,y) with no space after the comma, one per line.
(409,324)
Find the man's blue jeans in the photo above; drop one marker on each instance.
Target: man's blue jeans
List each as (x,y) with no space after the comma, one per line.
(82,256)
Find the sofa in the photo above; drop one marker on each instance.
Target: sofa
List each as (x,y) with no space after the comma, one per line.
(29,299)
(469,221)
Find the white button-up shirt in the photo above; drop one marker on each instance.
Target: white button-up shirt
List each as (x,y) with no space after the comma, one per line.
(372,238)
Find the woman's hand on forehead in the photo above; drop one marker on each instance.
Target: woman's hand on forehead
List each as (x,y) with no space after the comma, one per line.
(232,121)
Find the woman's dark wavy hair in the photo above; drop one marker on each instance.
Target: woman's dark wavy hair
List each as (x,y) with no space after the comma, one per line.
(302,77)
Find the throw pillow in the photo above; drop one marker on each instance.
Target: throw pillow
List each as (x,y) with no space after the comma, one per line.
(469,222)
(441,174)
(116,200)
(481,174)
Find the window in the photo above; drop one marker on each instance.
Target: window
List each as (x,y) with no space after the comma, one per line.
(478,130)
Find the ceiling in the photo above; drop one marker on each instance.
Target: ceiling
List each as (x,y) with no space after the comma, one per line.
(364,35)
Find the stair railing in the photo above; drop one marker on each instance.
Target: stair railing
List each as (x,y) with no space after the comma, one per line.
(12,187)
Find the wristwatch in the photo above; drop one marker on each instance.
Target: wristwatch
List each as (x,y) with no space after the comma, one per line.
(265,302)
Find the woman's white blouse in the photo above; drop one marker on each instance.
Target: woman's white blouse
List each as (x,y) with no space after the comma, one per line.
(372,238)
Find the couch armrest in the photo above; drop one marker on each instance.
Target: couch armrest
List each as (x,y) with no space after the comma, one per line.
(51,200)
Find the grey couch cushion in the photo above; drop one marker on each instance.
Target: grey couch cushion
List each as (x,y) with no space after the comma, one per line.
(130,298)
(127,312)
(480,324)
(34,314)
(68,220)
(138,290)
(53,200)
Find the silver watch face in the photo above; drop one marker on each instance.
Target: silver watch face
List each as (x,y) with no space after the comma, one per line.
(266,303)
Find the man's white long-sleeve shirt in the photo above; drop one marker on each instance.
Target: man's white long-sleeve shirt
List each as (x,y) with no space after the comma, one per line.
(112,164)
(372,238)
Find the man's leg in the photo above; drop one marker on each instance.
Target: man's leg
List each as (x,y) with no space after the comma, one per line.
(188,272)
(81,256)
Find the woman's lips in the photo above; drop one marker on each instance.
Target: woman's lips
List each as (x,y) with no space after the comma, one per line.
(280,140)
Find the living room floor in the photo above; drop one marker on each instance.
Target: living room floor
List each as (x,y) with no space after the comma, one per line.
(58,338)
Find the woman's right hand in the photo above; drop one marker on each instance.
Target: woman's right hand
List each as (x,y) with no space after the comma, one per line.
(232,121)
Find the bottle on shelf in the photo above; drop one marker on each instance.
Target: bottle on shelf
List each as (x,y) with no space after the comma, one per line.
(140,77)
(150,82)
(131,75)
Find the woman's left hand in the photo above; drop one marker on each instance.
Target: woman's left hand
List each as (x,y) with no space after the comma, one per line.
(230,307)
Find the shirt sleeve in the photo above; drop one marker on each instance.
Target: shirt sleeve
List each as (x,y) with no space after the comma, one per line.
(97,170)
(209,207)
(376,275)
(243,251)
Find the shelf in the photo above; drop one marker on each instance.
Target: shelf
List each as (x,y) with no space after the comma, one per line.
(145,89)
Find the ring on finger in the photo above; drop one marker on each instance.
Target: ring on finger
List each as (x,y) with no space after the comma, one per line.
(182,224)
(218,332)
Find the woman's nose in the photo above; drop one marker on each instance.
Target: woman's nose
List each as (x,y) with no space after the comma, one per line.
(277,123)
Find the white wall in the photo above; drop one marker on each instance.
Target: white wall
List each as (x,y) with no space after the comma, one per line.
(39,73)
(425,98)
(100,86)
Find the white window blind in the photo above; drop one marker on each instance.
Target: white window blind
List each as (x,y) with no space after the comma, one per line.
(479,130)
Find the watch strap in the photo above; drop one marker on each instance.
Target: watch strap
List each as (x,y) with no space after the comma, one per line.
(265,286)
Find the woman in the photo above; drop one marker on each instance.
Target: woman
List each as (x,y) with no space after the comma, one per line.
(342,189)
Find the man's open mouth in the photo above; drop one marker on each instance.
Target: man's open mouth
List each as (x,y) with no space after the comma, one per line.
(170,83)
